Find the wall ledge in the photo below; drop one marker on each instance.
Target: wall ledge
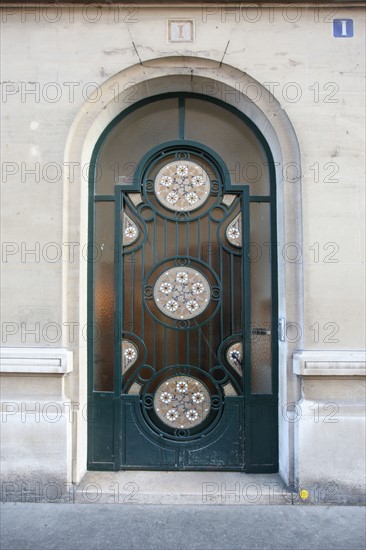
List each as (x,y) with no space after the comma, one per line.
(329,363)
(35,361)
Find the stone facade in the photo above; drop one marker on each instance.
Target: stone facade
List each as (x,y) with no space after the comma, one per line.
(70,71)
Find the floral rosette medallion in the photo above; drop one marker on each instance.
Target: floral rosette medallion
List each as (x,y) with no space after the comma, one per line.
(182,186)
(182,402)
(182,293)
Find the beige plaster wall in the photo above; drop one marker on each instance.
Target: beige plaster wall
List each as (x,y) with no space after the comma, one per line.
(317,80)
(312,79)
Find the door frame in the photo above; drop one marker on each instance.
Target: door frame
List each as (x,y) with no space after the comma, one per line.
(118,92)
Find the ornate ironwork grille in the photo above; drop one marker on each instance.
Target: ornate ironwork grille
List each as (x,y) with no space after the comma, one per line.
(181,381)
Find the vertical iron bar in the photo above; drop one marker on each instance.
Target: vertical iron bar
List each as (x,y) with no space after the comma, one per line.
(199,238)
(199,347)
(187,331)
(165,234)
(232,295)
(165,251)
(187,346)
(119,320)
(132,285)
(164,336)
(246,287)
(209,242)
(155,258)
(143,278)
(210,325)
(119,288)
(222,296)
(176,332)
(187,237)
(154,344)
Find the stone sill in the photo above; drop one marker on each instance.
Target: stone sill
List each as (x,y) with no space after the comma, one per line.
(35,361)
(329,363)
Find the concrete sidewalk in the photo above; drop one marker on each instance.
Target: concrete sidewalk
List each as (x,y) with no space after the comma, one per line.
(177,489)
(126,527)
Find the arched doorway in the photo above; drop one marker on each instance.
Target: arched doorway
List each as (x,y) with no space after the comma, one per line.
(183,290)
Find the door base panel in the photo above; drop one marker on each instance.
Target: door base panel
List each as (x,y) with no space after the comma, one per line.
(219,449)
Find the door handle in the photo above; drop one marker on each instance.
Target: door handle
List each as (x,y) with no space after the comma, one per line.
(261,331)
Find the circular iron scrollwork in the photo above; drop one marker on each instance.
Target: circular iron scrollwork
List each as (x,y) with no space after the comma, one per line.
(182,293)
(182,186)
(182,402)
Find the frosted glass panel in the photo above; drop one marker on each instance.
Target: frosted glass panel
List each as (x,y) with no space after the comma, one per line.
(261,298)
(103,253)
(134,136)
(228,136)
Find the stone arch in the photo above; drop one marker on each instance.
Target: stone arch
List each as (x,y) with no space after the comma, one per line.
(177,74)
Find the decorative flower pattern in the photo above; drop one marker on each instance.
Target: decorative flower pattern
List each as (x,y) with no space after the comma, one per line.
(192,198)
(192,306)
(182,186)
(166,181)
(166,287)
(182,170)
(172,305)
(182,277)
(234,356)
(182,386)
(166,397)
(182,293)
(172,198)
(197,181)
(198,397)
(233,232)
(192,415)
(182,402)
(130,354)
(130,231)
(172,415)
(198,288)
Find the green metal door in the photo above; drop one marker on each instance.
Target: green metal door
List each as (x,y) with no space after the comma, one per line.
(182,311)
(184,335)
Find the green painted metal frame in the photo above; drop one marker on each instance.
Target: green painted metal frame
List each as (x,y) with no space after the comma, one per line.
(258,458)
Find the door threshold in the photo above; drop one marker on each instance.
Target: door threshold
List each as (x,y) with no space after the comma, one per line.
(169,488)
